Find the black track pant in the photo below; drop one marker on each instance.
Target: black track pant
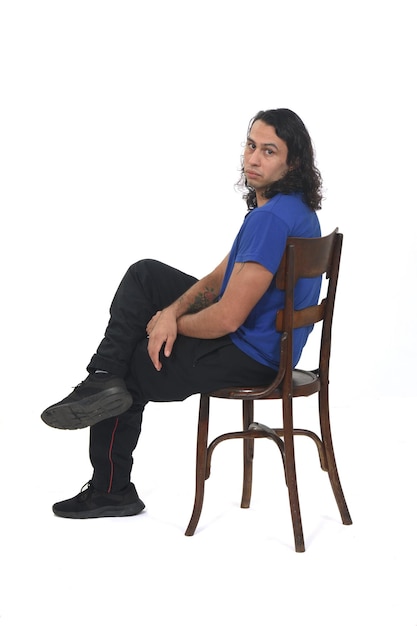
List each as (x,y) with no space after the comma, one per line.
(195,365)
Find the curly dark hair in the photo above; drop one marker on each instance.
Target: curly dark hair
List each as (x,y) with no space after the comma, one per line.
(303,177)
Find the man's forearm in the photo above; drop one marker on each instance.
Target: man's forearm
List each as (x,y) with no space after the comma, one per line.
(208,323)
(201,295)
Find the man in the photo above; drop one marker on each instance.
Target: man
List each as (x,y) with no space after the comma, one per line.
(171,336)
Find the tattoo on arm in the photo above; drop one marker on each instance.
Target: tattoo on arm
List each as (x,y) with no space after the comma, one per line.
(202,300)
(207,297)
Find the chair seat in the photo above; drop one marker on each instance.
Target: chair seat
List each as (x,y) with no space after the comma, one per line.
(305,383)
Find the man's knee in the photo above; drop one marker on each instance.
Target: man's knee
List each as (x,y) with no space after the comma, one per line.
(144,265)
(165,276)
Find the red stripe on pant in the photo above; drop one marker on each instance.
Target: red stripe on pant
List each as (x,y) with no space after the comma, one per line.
(110,455)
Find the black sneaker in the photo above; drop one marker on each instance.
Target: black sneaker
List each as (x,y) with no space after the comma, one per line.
(97,398)
(91,503)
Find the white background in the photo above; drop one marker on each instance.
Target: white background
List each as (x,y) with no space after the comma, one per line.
(121,133)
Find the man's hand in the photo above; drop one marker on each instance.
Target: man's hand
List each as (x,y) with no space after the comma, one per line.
(161,329)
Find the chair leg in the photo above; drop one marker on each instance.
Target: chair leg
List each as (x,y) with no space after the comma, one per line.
(248,449)
(291,475)
(330,456)
(201,463)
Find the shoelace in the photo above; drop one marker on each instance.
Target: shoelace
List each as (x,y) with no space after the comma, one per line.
(85,489)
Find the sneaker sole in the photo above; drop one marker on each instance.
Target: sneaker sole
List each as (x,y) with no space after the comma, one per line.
(105,511)
(88,411)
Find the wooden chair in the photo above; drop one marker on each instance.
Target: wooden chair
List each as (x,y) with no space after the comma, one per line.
(303,258)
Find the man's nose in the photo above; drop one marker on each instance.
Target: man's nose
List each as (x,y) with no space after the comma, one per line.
(254,157)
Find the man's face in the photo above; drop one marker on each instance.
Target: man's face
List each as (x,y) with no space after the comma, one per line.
(264,158)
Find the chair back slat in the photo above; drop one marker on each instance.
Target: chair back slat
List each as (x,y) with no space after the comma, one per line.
(305,317)
(313,257)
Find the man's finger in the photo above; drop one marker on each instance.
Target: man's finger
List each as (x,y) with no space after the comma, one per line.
(153,351)
(169,345)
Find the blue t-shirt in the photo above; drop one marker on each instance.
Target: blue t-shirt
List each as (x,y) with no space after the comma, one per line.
(262,239)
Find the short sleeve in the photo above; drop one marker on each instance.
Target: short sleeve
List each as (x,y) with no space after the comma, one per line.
(262,240)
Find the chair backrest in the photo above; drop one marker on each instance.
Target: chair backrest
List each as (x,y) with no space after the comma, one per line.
(309,258)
